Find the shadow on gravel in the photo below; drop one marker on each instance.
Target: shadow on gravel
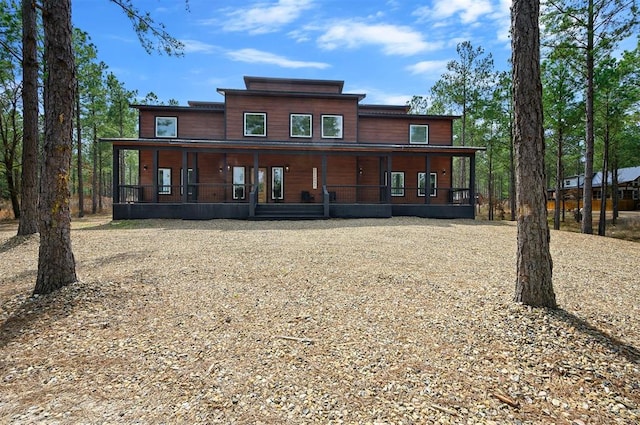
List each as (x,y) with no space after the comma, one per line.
(15,241)
(615,345)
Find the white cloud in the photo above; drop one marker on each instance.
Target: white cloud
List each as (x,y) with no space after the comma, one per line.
(195,46)
(263,17)
(428,67)
(469,11)
(395,40)
(256,56)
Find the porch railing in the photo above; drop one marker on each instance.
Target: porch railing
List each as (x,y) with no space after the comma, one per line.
(335,194)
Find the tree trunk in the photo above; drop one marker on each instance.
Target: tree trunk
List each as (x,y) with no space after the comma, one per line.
(587,218)
(56,265)
(94,178)
(559,181)
(534,266)
(79,137)
(602,222)
(29,185)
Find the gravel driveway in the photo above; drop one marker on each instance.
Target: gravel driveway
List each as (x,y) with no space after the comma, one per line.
(390,321)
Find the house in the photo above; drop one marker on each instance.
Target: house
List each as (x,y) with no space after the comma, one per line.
(628,190)
(291,148)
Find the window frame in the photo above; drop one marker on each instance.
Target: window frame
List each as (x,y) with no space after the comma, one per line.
(164,189)
(434,189)
(264,124)
(237,184)
(174,124)
(426,135)
(341,119)
(291,127)
(397,191)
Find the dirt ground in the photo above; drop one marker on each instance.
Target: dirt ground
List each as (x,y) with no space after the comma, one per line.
(390,321)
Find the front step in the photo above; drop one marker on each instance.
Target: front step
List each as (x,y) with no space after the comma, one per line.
(289,212)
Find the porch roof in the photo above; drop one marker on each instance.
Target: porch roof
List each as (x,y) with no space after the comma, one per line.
(294,147)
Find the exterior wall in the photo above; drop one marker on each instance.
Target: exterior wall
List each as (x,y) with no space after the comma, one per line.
(192,124)
(396,129)
(278,110)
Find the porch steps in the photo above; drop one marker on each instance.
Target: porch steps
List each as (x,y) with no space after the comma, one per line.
(289,212)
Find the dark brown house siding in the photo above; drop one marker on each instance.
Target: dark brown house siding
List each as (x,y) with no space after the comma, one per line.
(192,124)
(279,109)
(375,129)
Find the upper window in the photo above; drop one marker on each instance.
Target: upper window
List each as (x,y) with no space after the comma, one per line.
(166,127)
(255,124)
(300,125)
(418,133)
(332,126)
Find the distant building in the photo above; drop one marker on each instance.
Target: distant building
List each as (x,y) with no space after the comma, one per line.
(628,190)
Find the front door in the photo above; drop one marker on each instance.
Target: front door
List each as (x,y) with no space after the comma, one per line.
(262,184)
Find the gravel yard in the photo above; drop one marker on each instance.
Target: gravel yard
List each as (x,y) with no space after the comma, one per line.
(391,321)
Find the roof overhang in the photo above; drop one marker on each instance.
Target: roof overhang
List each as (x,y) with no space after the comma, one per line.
(311,147)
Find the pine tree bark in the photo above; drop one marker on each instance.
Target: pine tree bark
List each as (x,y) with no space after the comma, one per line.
(534,266)
(56,264)
(29,184)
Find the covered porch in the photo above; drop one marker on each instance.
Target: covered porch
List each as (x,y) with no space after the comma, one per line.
(208,180)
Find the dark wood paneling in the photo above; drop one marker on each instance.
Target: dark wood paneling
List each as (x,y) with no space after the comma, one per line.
(278,110)
(396,130)
(191,124)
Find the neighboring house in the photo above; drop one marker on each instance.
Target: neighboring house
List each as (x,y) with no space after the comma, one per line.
(628,190)
(291,148)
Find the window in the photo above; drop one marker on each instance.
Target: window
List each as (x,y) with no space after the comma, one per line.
(418,133)
(238,182)
(166,127)
(397,183)
(421,184)
(301,125)
(277,183)
(332,126)
(164,181)
(255,124)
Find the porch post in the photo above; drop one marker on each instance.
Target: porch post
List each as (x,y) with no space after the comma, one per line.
(427,179)
(325,193)
(154,176)
(253,196)
(184,176)
(116,175)
(472,180)
(388,188)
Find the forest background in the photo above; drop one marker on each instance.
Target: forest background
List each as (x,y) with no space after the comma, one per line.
(593,128)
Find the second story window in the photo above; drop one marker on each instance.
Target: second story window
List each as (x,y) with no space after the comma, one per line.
(332,126)
(255,124)
(418,133)
(166,127)
(300,125)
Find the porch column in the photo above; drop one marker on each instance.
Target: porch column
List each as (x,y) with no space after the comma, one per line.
(388,188)
(325,197)
(184,176)
(116,175)
(154,176)
(253,196)
(472,180)
(427,179)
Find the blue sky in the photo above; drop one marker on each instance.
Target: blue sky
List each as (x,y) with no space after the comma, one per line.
(387,49)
